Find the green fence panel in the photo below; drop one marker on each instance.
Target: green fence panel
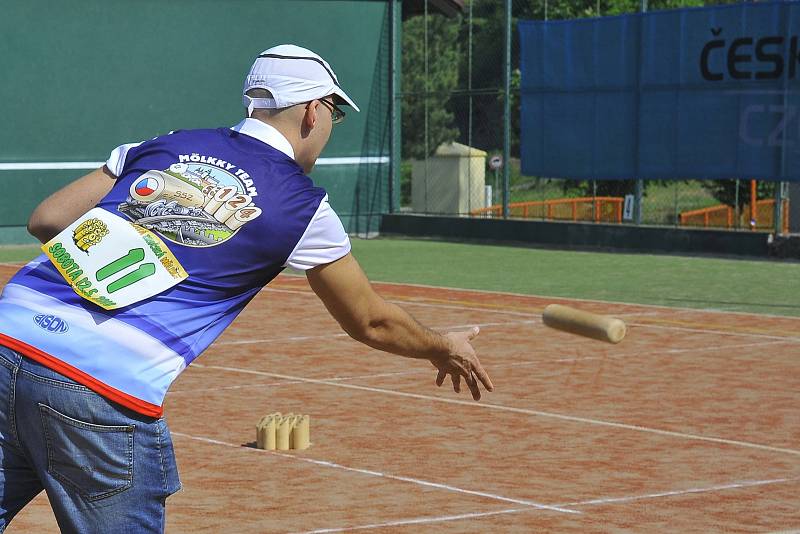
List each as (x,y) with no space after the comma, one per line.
(90,76)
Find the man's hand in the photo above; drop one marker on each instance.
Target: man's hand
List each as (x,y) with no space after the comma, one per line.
(462,361)
(366,317)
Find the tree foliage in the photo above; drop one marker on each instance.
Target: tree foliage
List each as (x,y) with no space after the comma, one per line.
(443,55)
(725,191)
(449,69)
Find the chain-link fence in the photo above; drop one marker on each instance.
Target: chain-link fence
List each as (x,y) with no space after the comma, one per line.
(452,99)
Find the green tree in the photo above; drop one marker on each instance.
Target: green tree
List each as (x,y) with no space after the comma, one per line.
(449,69)
(487,65)
(725,191)
(431,92)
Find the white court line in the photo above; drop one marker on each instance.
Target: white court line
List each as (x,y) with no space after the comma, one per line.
(51,165)
(622,355)
(735,485)
(636,314)
(500,323)
(532,314)
(461,307)
(495,366)
(706,331)
(523,314)
(638,325)
(279,339)
(226,388)
(306,292)
(377,375)
(613,500)
(357,377)
(415,521)
(415,303)
(342,334)
(719,347)
(292,382)
(534,295)
(72,165)
(357,160)
(499,407)
(411,480)
(575,299)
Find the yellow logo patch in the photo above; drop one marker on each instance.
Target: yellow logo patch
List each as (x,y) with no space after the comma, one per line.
(90,232)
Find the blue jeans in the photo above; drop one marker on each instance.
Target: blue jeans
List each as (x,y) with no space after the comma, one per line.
(104,468)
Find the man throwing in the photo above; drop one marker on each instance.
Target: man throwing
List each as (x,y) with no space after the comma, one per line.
(147,260)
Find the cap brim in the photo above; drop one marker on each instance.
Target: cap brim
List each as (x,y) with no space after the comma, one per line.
(347,100)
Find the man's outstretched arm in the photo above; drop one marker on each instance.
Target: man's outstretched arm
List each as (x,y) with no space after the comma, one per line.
(63,207)
(367,317)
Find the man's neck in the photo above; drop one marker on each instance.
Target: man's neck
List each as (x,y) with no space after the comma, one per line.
(285,130)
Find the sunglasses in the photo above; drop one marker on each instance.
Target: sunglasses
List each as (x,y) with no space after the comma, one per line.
(337,115)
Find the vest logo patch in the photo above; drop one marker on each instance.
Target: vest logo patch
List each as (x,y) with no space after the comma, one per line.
(198,201)
(51,323)
(89,233)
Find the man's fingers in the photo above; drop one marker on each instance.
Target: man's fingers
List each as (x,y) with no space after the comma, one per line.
(456,378)
(483,376)
(440,378)
(463,362)
(473,386)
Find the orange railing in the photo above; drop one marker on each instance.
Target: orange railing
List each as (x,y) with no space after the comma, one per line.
(598,209)
(724,216)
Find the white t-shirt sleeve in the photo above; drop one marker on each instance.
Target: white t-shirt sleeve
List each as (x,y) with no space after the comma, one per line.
(324,240)
(116,161)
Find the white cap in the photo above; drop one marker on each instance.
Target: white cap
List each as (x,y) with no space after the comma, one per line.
(293,75)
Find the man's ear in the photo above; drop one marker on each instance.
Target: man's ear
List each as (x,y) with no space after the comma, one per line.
(310,117)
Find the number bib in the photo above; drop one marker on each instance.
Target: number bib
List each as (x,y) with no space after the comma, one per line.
(111,262)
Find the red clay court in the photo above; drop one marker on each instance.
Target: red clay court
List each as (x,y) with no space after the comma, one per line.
(691,424)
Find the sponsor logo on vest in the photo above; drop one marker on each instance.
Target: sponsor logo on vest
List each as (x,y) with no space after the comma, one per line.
(197,201)
(51,323)
(89,233)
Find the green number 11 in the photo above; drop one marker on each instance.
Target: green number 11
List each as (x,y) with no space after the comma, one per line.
(133,257)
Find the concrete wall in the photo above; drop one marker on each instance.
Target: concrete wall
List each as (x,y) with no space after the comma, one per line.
(794,208)
(581,235)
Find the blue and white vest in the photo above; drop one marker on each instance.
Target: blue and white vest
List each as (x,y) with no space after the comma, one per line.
(231,208)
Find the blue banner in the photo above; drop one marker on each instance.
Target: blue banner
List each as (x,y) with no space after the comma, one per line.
(707,93)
